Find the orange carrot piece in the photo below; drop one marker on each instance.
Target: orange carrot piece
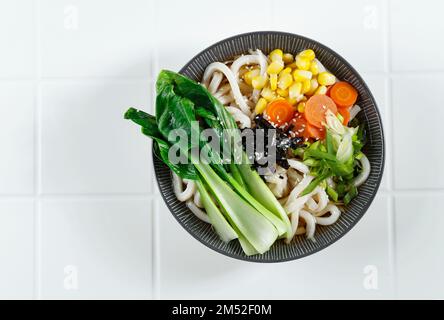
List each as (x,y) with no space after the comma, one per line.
(343,94)
(316,107)
(315,132)
(298,125)
(279,112)
(345,113)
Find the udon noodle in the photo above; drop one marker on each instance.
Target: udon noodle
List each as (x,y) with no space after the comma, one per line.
(306,212)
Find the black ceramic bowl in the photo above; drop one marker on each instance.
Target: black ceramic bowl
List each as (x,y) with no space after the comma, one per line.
(300,247)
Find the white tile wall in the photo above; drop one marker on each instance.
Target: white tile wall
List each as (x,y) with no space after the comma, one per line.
(95,38)
(87,147)
(414,148)
(205,22)
(17,118)
(414,32)
(419,237)
(354,29)
(198,273)
(17,20)
(96,248)
(80,215)
(17,249)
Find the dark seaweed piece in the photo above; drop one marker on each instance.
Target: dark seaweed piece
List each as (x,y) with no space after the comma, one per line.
(282,141)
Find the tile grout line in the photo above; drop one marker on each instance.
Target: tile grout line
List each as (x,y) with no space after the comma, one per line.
(390,149)
(155,218)
(149,196)
(393,194)
(403,73)
(37,154)
(78,197)
(155,253)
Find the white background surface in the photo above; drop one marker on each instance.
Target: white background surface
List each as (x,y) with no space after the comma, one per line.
(78,204)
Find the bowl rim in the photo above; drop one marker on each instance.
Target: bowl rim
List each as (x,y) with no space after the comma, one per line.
(364,209)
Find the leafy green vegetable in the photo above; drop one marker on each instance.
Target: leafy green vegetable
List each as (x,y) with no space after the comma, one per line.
(332,193)
(329,143)
(299,152)
(258,195)
(318,154)
(315,182)
(218,221)
(236,212)
(185,171)
(311,162)
(161,147)
(353,192)
(207,115)
(147,121)
(251,224)
(335,157)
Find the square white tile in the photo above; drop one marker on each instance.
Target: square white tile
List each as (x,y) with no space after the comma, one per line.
(87,146)
(96,38)
(17,31)
(415,32)
(417,153)
(187,269)
(96,249)
(356,33)
(17,249)
(17,137)
(419,236)
(202,24)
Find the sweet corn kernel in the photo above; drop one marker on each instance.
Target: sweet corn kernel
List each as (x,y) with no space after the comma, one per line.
(295,90)
(321,90)
(282,93)
(275,67)
(259,82)
(320,66)
(326,79)
(313,86)
(301,107)
(292,65)
(314,67)
(288,58)
(260,105)
(301,75)
(268,94)
(306,86)
(307,54)
(292,100)
(273,81)
(285,81)
(302,63)
(276,55)
(286,70)
(249,75)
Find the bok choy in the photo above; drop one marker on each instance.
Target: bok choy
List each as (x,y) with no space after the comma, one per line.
(237,201)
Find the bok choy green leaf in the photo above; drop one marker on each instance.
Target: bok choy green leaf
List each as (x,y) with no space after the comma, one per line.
(236,211)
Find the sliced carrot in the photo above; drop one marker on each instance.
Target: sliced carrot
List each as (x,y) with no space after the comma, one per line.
(298,125)
(343,94)
(315,132)
(328,91)
(279,112)
(316,107)
(345,113)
